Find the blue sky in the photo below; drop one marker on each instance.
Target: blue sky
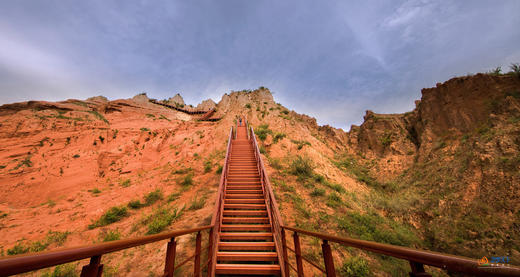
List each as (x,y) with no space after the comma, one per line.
(329,59)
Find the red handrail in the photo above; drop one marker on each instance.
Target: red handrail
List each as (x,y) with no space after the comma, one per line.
(272,207)
(29,262)
(417,258)
(217,214)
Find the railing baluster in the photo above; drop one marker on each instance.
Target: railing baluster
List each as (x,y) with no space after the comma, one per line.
(298,252)
(196,266)
(328,260)
(418,270)
(169,264)
(94,268)
(284,249)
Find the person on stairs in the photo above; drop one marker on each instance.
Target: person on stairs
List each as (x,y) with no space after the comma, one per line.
(240,121)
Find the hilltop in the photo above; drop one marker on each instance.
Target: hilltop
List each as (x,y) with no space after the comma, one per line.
(442,177)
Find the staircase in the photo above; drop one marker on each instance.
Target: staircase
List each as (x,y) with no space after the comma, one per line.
(245,245)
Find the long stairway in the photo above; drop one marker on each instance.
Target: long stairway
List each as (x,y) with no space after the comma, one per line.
(246,244)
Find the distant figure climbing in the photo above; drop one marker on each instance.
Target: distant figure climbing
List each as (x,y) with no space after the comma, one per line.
(240,121)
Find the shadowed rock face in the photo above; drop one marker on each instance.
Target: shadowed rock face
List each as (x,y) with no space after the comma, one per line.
(459,151)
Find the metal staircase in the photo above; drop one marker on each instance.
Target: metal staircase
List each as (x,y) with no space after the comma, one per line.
(245,245)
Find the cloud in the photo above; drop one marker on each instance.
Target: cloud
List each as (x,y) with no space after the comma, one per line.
(348,56)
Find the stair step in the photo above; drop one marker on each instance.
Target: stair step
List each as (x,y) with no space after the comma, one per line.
(244,187)
(247,256)
(243,183)
(244,196)
(243,220)
(246,236)
(244,227)
(244,206)
(245,213)
(244,201)
(245,246)
(256,191)
(247,269)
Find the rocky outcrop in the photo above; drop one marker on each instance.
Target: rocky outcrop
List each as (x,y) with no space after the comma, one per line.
(176,100)
(141,98)
(206,105)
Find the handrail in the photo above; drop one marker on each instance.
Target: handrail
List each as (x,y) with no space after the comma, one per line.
(29,262)
(272,207)
(417,258)
(217,214)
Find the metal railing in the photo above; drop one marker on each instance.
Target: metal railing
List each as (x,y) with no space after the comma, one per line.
(25,263)
(216,221)
(272,207)
(416,258)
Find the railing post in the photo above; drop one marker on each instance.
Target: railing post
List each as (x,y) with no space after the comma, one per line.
(210,251)
(94,268)
(298,254)
(328,260)
(169,264)
(196,264)
(284,253)
(418,270)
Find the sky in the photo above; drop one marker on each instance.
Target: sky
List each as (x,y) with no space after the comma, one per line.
(332,60)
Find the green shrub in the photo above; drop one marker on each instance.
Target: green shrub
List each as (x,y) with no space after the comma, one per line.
(495,71)
(62,270)
(515,69)
(188,180)
(318,192)
(153,197)
(57,237)
(197,204)
(135,204)
(182,170)
(113,214)
(300,143)
(301,166)
(76,156)
(262,150)
(219,169)
(145,129)
(52,237)
(334,186)
(99,116)
(112,235)
(262,131)
(334,200)
(18,248)
(386,139)
(126,183)
(207,166)
(172,197)
(373,227)
(362,174)
(278,136)
(354,267)
(149,115)
(161,218)
(248,106)
(94,191)
(275,163)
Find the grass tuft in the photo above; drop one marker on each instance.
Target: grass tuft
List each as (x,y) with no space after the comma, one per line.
(113,214)
(161,218)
